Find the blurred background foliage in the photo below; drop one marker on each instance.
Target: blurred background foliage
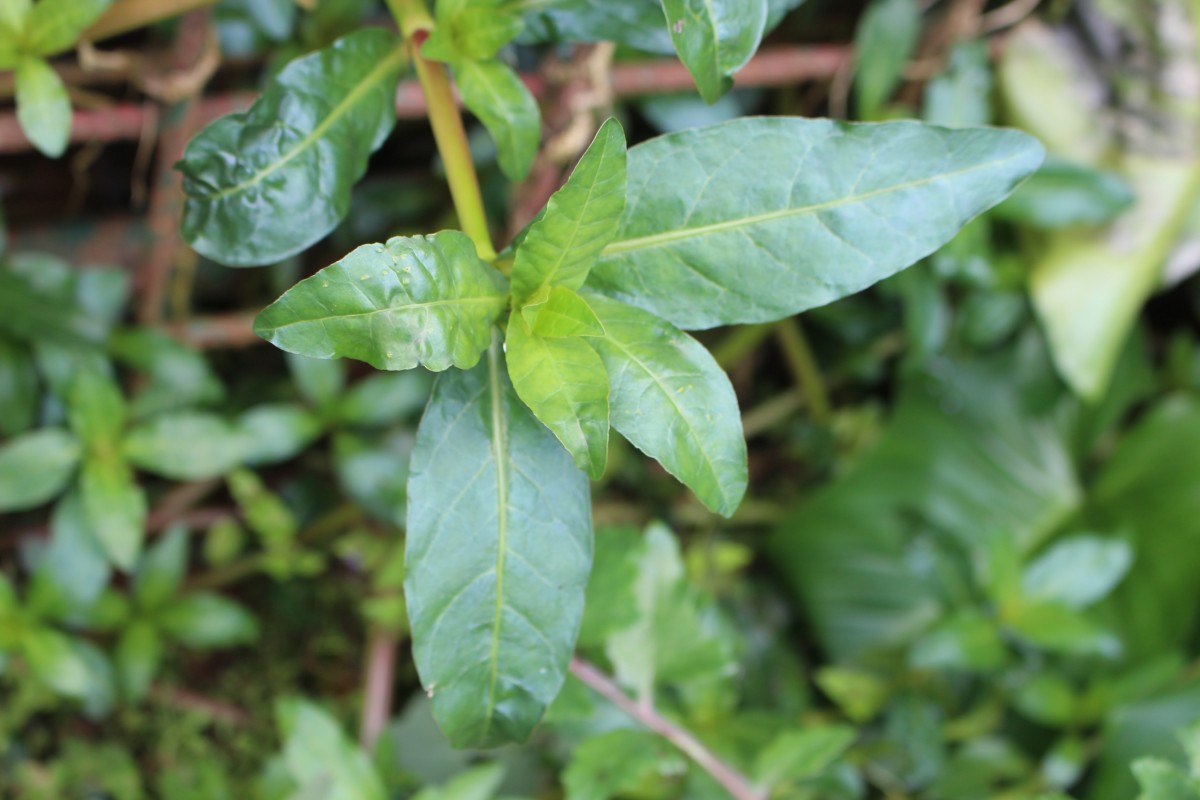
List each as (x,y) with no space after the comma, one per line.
(969,563)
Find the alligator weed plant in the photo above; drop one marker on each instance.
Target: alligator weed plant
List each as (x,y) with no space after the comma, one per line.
(580,324)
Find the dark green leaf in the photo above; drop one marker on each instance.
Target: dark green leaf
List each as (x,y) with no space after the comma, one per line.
(266,184)
(494,93)
(499,548)
(43,107)
(55,25)
(115,507)
(425,300)
(321,759)
(205,620)
(611,602)
(374,472)
(884,42)
(1063,193)
(184,446)
(672,401)
(178,375)
(162,569)
(579,220)
(636,23)
(715,38)
(564,383)
(74,569)
(472,30)
(966,641)
(1048,698)
(35,467)
(138,656)
(614,763)
(18,387)
(782,215)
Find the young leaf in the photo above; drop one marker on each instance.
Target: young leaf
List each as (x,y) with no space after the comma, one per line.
(425,300)
(35,467)
(138,656)
(564,313)
(786,214)
(184,446)
(672,401)
(715,38)
(321,759)
(43,107)
(499,548)
(56,661)
(265,184)
(115,507)
(96,409)
(55,25)
(884,42)
(579,220)
(563,382)
(473,30)
(206,620)
(499,98)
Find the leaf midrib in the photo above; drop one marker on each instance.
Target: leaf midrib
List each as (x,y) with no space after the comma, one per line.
(500,455)
(681,234)
(335,114)
(495,300)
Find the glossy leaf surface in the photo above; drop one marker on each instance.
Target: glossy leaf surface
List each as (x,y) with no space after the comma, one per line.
(265,184)
(672,401)
(494,93)
(760,218)
(43,107)
(715,38)
(424,300)
(499,548)
(579,220)
(563,382)
(564,313)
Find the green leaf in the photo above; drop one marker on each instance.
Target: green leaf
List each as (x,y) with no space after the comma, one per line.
(13,13)
(321,759)
(562,314)
(884,42)
(760,218)
(478,783)
(966,641)
(961,96)
(385,398)
(611,603)
(1058,628)
(138,657)
(1162,780)
(35,467)
(615,763)
(425,300)
(265,184)
(636,23)
(318,380)
(115,507)
(579,220)
(184,446)
(472,30)
(494,93)
(1078,571)
(1063,193)
(178,375)
(1047,698)
(672,401)
(275,432)
(18,387)
(373,471)
(55,25)
(563,382)
(43,107)
(715,38)
(162,568)
(96,409)
(74,569)
(801,754)
(56,660)
(499,548)
(205,620)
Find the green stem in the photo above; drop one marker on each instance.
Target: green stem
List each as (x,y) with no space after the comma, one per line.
(804,368)
(415,23)
(740,343)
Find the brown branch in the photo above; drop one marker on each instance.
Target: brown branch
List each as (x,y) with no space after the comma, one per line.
(733,781)
(378,681)
(216,709)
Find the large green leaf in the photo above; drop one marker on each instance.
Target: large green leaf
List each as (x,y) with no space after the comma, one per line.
(499,548)
(759,218)
(43,107)
(425,300)
(55,25)
(563,382)
(579,220)
(673,402)
(35,467)
(715,38)
(265,184)
(492,91)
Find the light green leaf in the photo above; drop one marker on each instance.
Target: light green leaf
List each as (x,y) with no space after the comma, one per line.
(162,569)
(760,218)
(800,754)
(425,300)
(636,23)
(966,641)
(715,38)
(138,657)
(563,382)
(1062,193)
(499,548)
(884,42)
(672,401)
(611,602)
(1059,628)
(267,183)
(56,661)
(562,314)
(43,107)
(74,569)
(579,220)
(14,12)
(55,25)
(178,375)
(472,30)
(961,96)
(321,759)
(275,432)
(479,783)
(205,620)
(184,445)
(115,507)
(1162,780)
(495,94)
(613,763)
(96,409)
(1078,571)
(1047,698)
(35,467)
(18,387)
(384,398)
